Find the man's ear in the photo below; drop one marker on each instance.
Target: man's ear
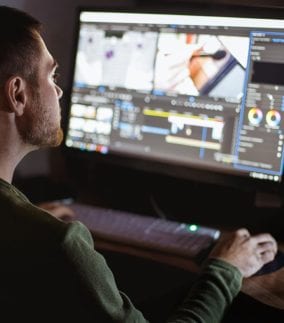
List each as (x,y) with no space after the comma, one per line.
(16,95)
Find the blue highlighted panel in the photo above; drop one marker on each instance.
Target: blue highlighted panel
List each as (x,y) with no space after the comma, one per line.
(155,130)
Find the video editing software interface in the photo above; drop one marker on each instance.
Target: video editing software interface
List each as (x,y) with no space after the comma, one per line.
(202,91)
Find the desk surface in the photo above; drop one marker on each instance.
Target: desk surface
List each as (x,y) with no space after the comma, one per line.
(267,289)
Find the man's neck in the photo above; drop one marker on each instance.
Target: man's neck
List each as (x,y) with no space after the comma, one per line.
(12,148)
(7,168)
(11,153)
(6,176)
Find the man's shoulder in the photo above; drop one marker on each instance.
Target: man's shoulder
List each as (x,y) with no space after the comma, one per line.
(22,218)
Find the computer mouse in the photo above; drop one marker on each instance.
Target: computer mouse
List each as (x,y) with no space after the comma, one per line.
(275,264)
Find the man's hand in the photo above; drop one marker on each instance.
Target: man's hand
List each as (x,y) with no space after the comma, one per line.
(58,210)
(247,253)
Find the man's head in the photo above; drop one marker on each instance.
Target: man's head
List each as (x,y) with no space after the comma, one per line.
(28,80)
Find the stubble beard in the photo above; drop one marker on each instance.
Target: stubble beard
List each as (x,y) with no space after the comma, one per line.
(35,126)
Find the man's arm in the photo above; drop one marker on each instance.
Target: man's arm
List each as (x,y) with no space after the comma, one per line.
(105,302)
(218,284)
(236,255)
(210,296)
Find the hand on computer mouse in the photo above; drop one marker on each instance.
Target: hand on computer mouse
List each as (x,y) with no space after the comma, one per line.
(247,253)
(58,210)
(276,264)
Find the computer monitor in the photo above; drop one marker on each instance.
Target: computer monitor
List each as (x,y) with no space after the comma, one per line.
(187,93)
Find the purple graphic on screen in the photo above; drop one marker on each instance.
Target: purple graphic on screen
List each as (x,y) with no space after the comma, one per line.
(109,54)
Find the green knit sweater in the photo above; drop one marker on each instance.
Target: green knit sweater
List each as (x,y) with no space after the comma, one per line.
(50,272)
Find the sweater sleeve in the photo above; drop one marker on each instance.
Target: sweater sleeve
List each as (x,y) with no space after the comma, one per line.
(210,296)
(206,302)
(105,303)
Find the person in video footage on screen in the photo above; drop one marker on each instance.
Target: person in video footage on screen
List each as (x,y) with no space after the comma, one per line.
(186,63)
(175,70)
(50,266)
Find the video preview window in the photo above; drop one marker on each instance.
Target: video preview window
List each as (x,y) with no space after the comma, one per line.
(179,63)
(201,64)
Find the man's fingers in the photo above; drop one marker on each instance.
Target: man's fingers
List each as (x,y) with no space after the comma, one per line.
(265,242)
(263,237)
(242,233)
(267,246)
(267,256)
(48,205)
(58,210)
(62,210)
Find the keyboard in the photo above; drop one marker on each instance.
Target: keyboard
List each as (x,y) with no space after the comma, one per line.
(146,232)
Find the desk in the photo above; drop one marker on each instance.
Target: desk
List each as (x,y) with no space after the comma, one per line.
(267,289)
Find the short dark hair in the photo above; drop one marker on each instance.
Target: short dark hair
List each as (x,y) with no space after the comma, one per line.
(19,44)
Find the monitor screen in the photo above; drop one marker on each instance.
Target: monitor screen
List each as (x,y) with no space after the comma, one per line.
(201,92)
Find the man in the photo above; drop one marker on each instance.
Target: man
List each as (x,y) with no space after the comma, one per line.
(49,269)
